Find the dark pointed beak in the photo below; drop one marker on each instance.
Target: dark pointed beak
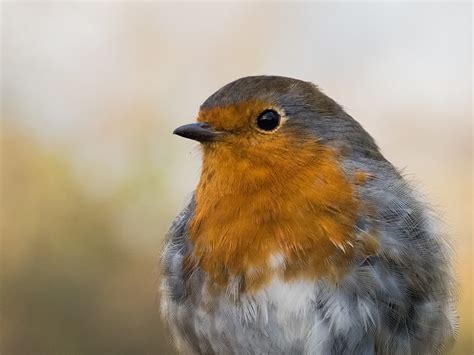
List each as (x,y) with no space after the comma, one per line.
(200,131)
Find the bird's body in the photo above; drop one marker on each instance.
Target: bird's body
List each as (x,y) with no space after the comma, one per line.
(300,237)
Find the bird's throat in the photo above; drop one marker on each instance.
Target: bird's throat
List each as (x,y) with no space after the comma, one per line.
(291,215)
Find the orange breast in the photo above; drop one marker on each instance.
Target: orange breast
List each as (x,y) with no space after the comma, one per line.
(291,214)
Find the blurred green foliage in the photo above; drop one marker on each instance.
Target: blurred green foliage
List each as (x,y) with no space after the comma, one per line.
(68,284)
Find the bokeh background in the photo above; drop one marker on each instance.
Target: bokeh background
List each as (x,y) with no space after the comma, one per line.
(91,175)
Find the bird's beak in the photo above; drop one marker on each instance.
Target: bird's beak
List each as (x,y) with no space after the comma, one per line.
(200,131)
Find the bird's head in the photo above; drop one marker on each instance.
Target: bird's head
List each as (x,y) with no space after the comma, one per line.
(272,183)
(267,116)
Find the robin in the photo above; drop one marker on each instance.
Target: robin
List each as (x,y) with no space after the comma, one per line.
(301,238)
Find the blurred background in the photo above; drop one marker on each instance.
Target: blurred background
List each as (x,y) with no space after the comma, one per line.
(91,176)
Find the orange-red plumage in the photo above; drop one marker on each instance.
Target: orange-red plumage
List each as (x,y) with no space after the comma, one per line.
(296,203)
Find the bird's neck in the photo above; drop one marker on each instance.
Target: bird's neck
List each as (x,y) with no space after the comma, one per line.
(254,219)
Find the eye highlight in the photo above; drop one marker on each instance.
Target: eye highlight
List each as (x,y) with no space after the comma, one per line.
(268,120)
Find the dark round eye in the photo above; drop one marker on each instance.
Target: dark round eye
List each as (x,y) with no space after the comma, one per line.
(268,120)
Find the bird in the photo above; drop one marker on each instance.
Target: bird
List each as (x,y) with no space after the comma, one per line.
(301,237)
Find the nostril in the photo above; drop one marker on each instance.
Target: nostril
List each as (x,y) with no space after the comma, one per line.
(204,125)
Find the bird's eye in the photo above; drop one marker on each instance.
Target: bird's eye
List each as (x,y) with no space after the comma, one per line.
(268,120)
